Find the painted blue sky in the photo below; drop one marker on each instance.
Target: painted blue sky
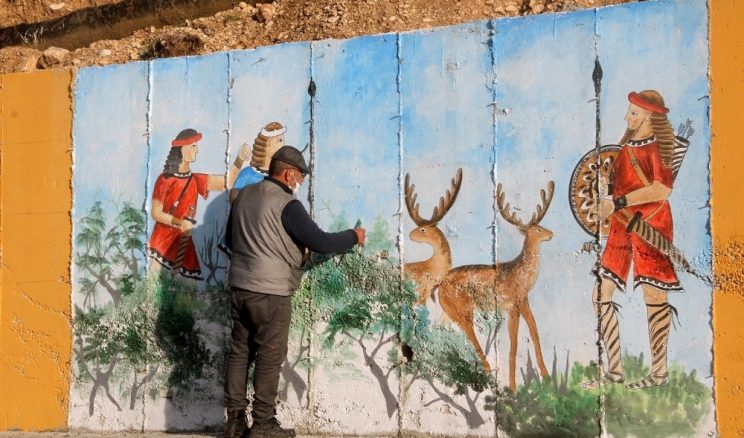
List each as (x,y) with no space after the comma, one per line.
(447,123)
(423,103)
(356,130)
(110,142)
(270,84)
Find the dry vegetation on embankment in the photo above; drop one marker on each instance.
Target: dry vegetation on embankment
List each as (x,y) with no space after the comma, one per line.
(179,27)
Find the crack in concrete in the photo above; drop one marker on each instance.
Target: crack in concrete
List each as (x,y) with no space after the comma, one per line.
(402,391)
(66,314)
(493,88)
(597,78)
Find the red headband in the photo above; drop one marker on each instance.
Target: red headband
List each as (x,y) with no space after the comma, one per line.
(177,143)
(637,99)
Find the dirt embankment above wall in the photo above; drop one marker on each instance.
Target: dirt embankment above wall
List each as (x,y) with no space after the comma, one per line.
(63,33)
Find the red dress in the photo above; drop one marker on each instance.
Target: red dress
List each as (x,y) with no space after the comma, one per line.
(650,266)
(165,239)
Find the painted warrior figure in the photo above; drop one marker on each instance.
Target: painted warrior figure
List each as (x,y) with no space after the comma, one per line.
(174,200)
(268,141)
(641,182)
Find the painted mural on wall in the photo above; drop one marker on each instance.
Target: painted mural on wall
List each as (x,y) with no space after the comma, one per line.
(495,313)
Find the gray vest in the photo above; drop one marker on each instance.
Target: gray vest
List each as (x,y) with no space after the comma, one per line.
(264,257)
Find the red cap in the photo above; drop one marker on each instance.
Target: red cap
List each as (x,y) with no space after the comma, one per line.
(186,137)
(637,99)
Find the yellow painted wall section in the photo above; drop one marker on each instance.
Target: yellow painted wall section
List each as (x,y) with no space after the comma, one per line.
(36,199)
(727,161)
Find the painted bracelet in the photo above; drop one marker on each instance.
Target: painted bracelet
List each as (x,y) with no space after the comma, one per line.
(620,203)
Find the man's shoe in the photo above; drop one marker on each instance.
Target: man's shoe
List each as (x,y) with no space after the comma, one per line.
(236,425)
(270,429)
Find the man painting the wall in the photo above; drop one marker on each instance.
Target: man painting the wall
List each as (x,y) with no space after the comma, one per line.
(174,200)
(268,233)
(641,180)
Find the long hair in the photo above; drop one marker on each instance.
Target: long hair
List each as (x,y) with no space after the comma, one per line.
(172,162)
(259,158)
(660,126)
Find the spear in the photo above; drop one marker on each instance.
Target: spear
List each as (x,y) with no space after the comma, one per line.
(636,224)
(597,79)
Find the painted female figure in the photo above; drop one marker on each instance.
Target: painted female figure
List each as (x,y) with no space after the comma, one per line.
(174,201)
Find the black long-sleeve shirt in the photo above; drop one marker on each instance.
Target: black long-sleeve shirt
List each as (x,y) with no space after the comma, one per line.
(305,232)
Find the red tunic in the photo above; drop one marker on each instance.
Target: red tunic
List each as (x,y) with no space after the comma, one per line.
(165,239)
(650,266)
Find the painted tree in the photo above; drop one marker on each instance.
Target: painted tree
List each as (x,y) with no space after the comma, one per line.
(364,308)
(146,336)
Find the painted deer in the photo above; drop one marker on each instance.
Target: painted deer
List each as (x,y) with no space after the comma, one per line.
(504,285)
(427,273)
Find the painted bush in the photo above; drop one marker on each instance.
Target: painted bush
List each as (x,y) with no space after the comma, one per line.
(478,157)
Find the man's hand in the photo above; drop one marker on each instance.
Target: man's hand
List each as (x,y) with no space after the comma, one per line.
(606,208)
(361,234)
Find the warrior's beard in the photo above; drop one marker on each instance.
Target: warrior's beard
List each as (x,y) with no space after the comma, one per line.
(629,133)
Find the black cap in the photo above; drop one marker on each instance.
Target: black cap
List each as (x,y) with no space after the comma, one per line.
(290,155)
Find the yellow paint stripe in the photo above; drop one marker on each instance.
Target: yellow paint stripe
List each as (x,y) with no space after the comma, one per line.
(35,239)
(727,166)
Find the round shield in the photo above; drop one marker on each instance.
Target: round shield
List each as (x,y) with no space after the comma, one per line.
(590,181)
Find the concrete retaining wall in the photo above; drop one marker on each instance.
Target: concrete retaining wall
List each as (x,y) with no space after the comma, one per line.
(92,333)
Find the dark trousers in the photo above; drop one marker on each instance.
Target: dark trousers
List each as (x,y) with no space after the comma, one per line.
(260,333)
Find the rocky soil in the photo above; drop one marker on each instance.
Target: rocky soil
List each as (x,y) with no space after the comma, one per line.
(14,12)
(248,25)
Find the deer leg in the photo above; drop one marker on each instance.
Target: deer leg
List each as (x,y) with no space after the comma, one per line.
(462,314)
(532,325)
(467,328)
(424,289)
(513,332)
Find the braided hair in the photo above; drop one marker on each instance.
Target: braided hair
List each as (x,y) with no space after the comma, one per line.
(172,162)
(661,127)
(259,158)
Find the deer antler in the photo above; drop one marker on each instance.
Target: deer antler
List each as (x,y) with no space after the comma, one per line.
(505,209)
(445,202)
(411,204)
(541,209)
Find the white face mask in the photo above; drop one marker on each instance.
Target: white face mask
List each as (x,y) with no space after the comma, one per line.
(294,187)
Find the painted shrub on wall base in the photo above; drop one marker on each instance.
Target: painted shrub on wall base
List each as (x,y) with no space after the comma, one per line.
(438,325)
(151,342)
(146,339)
(560,407)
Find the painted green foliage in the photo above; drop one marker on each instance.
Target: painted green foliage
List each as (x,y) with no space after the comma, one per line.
(149,337)
(561,408)
(360,300)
